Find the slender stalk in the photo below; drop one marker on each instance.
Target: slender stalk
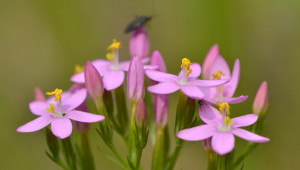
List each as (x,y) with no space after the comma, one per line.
(87,159)
(160,152)
(175,155)
(211,160)
(69,153)
(119,157)
(247,151)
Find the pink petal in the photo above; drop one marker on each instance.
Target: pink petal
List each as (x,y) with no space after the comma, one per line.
(78,78)
(195,73)
(61,127)
(209,114)
(161,76)
(249,136)
(113,79)
(84,116)
(209,83)
(74,100)
(164,88)
(39,107)
(150,67)
(36,124)
(245,120)
(209,61)
(220,64)
(234,81)
(125,65)
(235,100)
(197,133)
(102,66)
(192,91)
(222,142)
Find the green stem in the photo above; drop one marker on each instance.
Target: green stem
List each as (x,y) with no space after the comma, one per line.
(69,153)
(119,157)
(121,114)
(211,160)
(87,159)
(175,155)
(160,152)
(246,152)
(132,152)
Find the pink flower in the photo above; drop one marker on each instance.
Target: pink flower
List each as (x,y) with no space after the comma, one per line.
(112,69)
(139,43)
(161,101)
(216,68)
(136,80)
(261,100)
(186,81)
(58,111)
(221,128)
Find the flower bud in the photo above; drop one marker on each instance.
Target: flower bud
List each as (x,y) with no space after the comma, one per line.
(139,43)
(136,80)
(209,60)
(141,115)
(161,108)
(157,60)
(261,100)
(39,95)
(93,81)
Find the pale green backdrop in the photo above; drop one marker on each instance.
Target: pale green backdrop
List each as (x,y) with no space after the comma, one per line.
(42,40)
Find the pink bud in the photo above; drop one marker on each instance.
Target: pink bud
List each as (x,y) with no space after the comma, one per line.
(209,60)
(139,43)
(136,79)
(157,60)
(261,100)
(93,81)
(39,95)
(161,108)
(141,114)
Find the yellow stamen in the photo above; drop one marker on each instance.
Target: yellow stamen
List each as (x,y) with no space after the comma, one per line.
(78,69)
(51,109)
(57,93)
(189,72)
(217,75)
(110,56)
(185,62)
(228,122)
(115,45)
(224,106)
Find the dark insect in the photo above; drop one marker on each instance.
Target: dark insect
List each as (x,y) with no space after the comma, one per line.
(140,21)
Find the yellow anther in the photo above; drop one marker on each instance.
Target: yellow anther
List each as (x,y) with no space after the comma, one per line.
(185,62)
(57,93)
(114,45)
(78,69)
(228,122)
(217,75)
(51,109)
(110,56)
(189,72)
(224,107)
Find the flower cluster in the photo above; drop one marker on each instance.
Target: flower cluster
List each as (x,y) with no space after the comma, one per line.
(101,82)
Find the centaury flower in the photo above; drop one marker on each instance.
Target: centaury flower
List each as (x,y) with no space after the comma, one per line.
(221,128)
(186,81)
(58,110)
(216,68)
(111,69)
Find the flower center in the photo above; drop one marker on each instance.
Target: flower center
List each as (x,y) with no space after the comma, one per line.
(58,112)
(185,66)
(217,76)
(224,109)
(78,69)
(113,55)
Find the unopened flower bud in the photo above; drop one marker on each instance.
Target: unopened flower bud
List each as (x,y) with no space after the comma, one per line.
(139,43)
(261,100)
(136,80)
(141,115)
(93,81)
(209,60)
(157,60)
(39,95)
(161,108)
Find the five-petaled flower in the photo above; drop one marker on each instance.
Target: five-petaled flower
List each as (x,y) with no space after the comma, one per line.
(186,81)
(215,67)
(58,110)
(221,128)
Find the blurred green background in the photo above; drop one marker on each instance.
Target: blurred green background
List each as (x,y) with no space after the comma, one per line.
(42,40)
